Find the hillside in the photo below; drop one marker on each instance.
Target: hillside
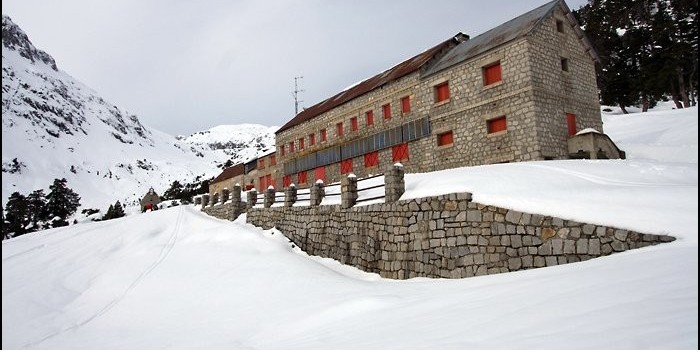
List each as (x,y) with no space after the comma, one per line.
(177,278)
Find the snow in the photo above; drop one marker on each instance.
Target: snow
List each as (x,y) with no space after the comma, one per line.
(587,130)
(177,278)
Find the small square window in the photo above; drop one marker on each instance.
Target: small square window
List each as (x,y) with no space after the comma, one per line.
(406,105)
(492,73)
(445,138)
(370,117)
(496,125)
(386,110)
(560,26)
(353,124)
(565,64)
(339,129)
(442,92)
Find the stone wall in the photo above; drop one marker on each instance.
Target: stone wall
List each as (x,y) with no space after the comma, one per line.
(444,236)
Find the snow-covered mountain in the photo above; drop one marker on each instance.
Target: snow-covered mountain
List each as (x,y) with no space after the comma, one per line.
(53,126)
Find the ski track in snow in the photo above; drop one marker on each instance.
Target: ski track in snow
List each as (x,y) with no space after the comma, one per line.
(165,251)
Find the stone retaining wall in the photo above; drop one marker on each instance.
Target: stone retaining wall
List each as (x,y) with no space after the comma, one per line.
(443,236)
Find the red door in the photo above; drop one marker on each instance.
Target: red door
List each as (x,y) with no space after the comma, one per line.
(571,123)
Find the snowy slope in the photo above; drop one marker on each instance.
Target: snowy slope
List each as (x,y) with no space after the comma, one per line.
(237,143)
(179,279)
(56,127)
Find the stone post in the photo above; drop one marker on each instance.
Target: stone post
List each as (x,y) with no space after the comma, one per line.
(214,199)
(290,195)
(269,198)
(252,198)
(205,200)
(348,191)
(236,201)
(317,193)
(394,184)
(198,200)
(224,195)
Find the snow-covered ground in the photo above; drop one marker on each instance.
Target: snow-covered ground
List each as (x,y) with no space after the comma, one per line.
(178,279)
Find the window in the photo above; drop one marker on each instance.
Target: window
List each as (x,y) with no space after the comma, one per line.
(291,147)
(312,139)
(301,177)
(442,92)
(346,166)
(273,160)
(571,123)
(399,152)
(262,183)
(268,181)
(282,150)
(560,26)
(406,105)
(301,143)
(492,73)
(323,135)
(320,173)
(261,163)
(371,159)
(353,123)
(339,129)
(370,117)
(445,138)
(496,125)
(564,64)
(386,111)
(287,180)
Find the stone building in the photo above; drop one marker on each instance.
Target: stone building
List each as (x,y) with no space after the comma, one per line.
(150,200)
(517,92)
(228,177)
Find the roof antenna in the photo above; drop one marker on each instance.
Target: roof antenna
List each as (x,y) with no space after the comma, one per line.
(296,92)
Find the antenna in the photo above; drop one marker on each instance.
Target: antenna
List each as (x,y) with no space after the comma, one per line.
(296,92)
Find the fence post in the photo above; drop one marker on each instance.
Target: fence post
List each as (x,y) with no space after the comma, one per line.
(198,200)
(214,199)
(252,198)
(269,197)
(348,191)
(317,193)
(290,195)
(205,200)
(394,183)
(236,201)
(224,195)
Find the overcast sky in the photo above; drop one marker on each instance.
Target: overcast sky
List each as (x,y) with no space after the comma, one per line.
(186,66)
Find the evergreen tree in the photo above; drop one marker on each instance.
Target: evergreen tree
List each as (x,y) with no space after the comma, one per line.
(117,211)
(174,192)
(62,202)
(36,205)
(4,225)
(17,214)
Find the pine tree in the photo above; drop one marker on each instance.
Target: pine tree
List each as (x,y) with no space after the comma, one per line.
(109,214)
(117,211)
(62,202)
(36,205)
(17,214)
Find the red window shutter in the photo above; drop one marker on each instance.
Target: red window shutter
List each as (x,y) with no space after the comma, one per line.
(301,143)
(496,125)
(301,177)
(386,110)
(339,129)
(320,173)
(399,152)
(406,105)
(445,138)
(323,135)
(492,74)
(312,139)
(346,166)
(371,159)
(268,181)
(261,163)
(282,150)
(370,118)
(571,123)
(273,160)
(291,147)
(287,180)
(353,123)
(261,180)
(442,92)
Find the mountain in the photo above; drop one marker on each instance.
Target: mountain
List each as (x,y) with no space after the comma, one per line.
(53,126)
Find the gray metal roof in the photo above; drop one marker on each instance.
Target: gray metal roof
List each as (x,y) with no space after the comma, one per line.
(511,30)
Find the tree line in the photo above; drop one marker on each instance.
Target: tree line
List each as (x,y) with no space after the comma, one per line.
(648,50)
(38,211)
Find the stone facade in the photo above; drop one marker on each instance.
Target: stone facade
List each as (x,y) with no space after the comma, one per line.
(545,73)
(444,236)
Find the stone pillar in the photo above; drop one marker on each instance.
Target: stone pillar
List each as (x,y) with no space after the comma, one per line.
(236,201)
(269,198)
(198,200)
(205,200)
(348,191)
(224,195)
(394,184)
(317,193)
(252,198)
(290,195)
(214,199)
